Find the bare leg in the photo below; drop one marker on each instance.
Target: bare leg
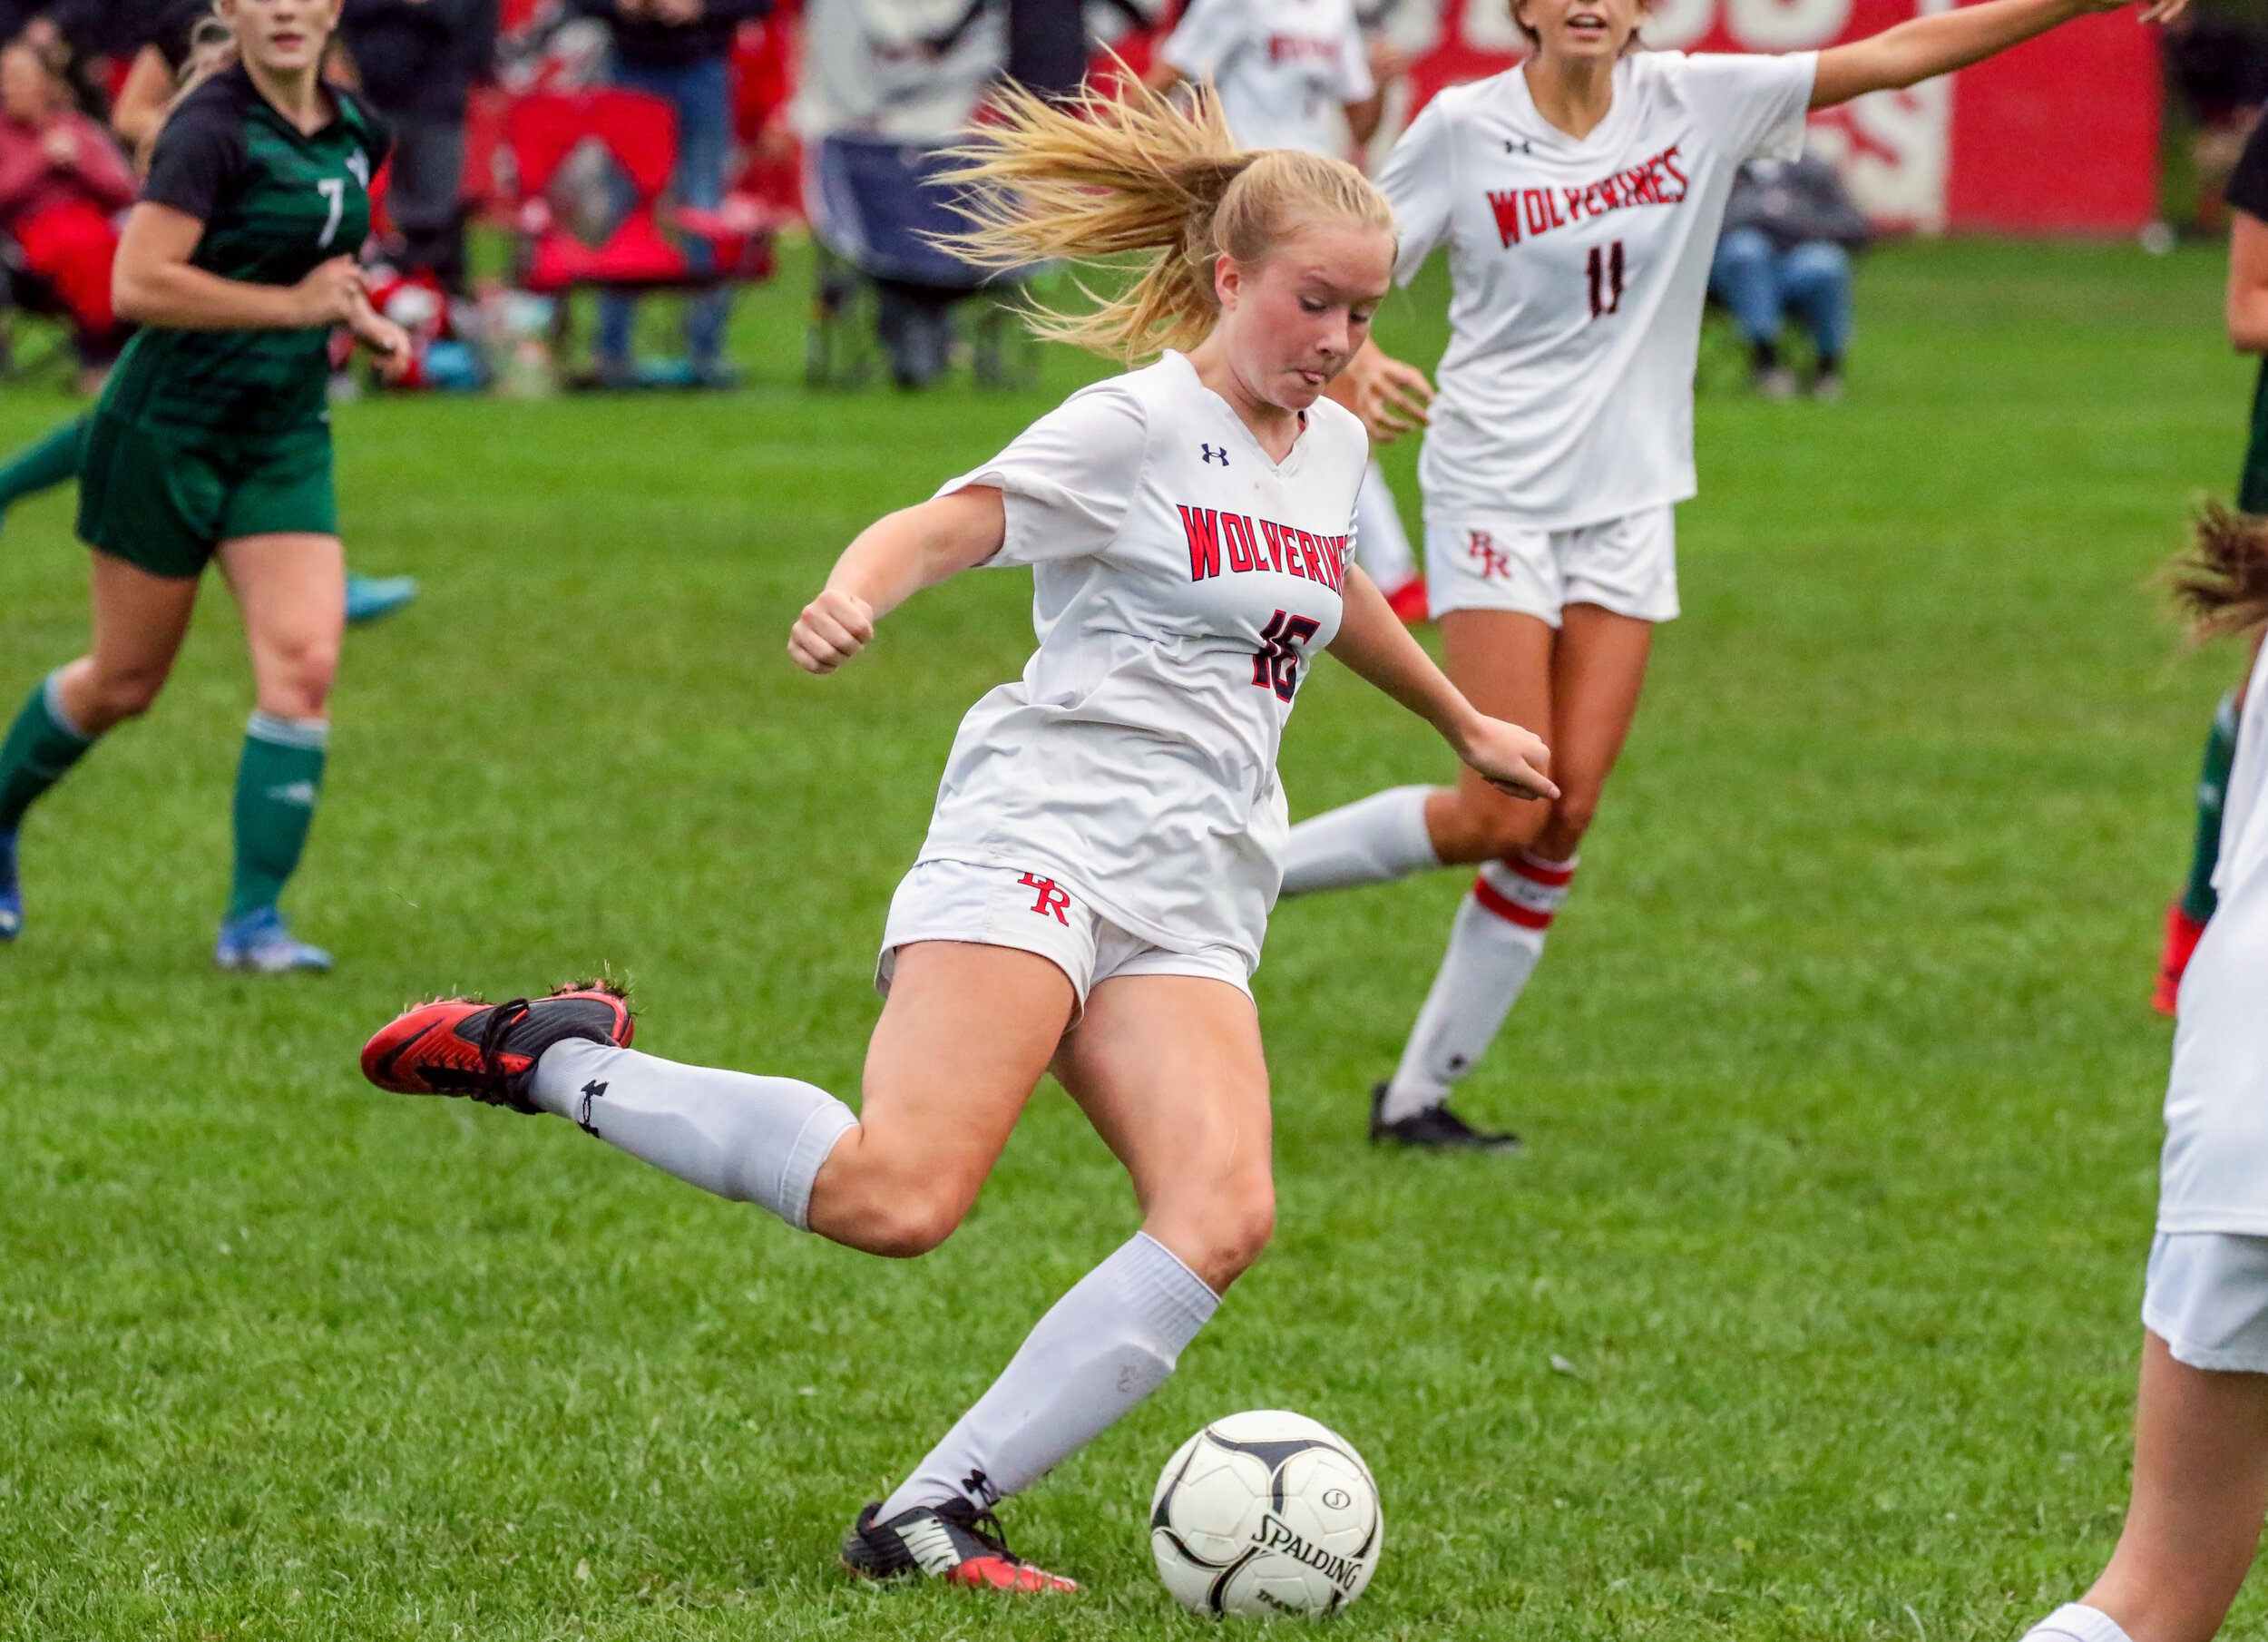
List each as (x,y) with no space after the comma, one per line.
(1583,680)
(138,623)
(2200,1491)
(292,589)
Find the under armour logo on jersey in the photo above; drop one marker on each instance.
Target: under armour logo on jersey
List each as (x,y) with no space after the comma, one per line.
(1518,146)
(591,1092)
(1052,898)
(1213,453)
(1489,562)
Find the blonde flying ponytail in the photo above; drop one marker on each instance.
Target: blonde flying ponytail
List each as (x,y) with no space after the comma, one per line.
(2221,584)
(1164,183)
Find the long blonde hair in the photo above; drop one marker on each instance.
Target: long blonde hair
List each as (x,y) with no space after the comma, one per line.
(2220,583)
(1094,177)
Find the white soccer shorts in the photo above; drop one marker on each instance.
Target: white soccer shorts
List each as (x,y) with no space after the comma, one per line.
(1628,565)
(2207,1296)
(1030,911)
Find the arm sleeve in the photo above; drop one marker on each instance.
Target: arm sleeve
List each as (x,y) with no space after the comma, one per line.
(1069,479)
(198,153)
(1206,37)
(1755,104)
(1355,85)
(2248,184)
(1417,182)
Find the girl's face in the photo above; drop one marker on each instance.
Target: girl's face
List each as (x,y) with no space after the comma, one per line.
(285,36)
(1581,28)
(1291,321)
(26,88)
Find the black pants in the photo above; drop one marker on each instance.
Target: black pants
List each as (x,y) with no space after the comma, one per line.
(426,197)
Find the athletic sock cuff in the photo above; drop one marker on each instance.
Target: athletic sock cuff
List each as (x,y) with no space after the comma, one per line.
(2080,1622)
(1523,891)
(799,1171)
(51,697)
(1175,1300)
(310,733)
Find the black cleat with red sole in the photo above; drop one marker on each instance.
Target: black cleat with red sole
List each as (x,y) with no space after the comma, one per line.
(954,1542)
(487,1051)
(1436,1128)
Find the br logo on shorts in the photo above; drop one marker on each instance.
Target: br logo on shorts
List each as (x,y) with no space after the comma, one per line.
(1490,562)
(1052,898)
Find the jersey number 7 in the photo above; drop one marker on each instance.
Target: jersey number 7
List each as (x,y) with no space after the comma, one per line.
(1276,664)
(334,188)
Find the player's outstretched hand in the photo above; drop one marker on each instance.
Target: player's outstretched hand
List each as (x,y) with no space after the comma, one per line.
(1511,759)
(1389,396)
(387,340)
(834,627)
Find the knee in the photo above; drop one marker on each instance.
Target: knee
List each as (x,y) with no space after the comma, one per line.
(114,697)
(1571,815)
(1229,1232)
(298,681)
(905,1223)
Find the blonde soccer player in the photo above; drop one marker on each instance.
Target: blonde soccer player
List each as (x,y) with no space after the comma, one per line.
(1095,886)
(2201,1418)
(1579,197)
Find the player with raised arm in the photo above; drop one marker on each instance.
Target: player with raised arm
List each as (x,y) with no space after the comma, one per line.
(1095,886)
(212,440)
(1287,71)
(2200,1417)
(1579,196)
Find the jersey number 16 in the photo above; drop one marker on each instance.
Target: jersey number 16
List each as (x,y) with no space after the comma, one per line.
(1276,664)
(1606,279)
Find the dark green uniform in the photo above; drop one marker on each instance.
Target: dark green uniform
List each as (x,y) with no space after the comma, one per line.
(202,437)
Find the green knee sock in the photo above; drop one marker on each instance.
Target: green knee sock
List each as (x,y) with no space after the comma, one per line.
(275,787)
(43,744)
(2213,785)
(53,461)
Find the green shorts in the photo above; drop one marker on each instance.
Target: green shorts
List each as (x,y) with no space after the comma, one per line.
(163,502)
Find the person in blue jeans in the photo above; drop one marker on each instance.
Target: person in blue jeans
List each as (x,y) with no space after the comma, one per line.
(680,51)
(1790,231)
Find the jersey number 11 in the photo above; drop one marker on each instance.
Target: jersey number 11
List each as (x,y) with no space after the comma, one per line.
(1606,279)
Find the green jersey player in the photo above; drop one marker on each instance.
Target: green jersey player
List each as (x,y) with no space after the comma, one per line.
(212,440)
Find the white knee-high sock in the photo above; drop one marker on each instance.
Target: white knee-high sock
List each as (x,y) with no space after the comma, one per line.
(1103,1347)
(1493,947)
(1372,840)
(1381,546)
(2077,1622)
(753,1140)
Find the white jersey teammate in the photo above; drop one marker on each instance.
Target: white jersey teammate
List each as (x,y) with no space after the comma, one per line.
(1097,879)
(1579,197)
(1298,74)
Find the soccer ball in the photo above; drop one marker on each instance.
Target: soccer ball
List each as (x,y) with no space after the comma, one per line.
(1265,1513)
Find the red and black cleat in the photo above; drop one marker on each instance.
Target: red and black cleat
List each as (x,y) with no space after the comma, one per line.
(487,1051)
(954,1542)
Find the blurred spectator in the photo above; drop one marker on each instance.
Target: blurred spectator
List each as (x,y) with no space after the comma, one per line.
(62,182)
(416,60)
(886,85)
(1790,229)
(154,75)
(2219,68)
(680,50)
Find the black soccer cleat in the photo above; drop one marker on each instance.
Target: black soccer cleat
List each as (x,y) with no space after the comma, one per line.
(954,1542)
(488,1051)
(1436,1128)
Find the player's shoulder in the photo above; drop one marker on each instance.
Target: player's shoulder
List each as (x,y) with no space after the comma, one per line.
(362,122)
(1338,430)
(1454,104)
(220,102)
(1705,71)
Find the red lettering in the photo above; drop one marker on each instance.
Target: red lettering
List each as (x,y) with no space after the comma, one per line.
(1574,202)
(1551,202)
(1308,545)
(1236,530)
(1200,525)
(1533,202)
(1273,534)
(1669,163)
(1506,206)
(1052,898)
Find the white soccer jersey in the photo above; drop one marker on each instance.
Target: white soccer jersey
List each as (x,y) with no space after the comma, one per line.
(1285,68)
(1578,272)
(1181,581)
(2214,1174)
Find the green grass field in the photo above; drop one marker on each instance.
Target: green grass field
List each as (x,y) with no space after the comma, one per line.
(1839,1079)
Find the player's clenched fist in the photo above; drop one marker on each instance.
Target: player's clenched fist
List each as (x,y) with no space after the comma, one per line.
(834,627)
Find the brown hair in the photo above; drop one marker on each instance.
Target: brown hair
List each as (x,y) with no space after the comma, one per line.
(1094,177)
(2220,583)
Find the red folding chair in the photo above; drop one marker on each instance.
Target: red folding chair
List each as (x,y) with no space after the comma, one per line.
(639,133)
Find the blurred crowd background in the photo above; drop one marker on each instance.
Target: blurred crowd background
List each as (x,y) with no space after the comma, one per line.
(556,161)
